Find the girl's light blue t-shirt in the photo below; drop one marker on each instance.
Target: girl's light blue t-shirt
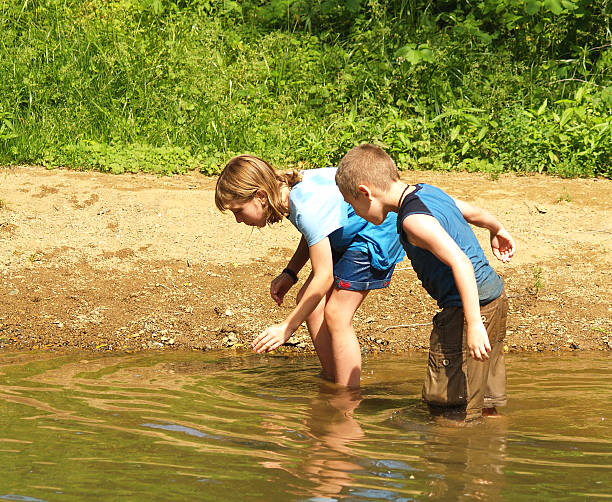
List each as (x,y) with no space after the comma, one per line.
(318,210)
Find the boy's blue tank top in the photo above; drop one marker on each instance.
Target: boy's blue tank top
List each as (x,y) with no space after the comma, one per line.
(437,277)
(318,210)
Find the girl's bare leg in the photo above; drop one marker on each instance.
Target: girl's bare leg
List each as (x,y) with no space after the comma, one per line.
(339,311)
(320,335)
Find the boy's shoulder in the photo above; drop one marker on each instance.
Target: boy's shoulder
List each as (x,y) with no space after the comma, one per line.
(432,201)
(427,188)
(425,198)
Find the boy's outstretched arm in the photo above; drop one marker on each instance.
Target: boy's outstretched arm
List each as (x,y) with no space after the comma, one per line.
(502,244)
(426,232)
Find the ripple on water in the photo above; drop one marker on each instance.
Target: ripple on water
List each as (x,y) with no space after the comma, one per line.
(188,426)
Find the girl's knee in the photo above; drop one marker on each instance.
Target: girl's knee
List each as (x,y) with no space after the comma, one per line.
(337,317)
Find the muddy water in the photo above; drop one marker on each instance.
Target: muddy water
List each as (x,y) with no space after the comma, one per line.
(197,426)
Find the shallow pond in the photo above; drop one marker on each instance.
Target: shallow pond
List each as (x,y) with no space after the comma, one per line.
(193,426)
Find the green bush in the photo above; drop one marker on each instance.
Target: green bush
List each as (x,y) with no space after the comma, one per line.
(168,85)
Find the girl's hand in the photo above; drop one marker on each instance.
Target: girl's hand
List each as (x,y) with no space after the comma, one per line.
(478,342)
(502,245)
(279,287)
(271,338)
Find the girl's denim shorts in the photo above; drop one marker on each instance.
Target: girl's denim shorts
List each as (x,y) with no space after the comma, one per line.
(353,271)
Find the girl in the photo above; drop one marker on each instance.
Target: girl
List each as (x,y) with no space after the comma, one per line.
(349,256)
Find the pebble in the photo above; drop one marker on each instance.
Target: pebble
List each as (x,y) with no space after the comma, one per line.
(230,340)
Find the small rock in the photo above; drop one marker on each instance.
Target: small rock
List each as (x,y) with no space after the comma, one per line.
(13,292)
(230,340)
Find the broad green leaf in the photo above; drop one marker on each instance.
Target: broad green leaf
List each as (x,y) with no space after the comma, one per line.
(466,147)
(482,133)
(553,6)
(402,51)
(565,116)
(542,107)
(427,54)
(455,133)
(569,5)
(532,7)
(579,93)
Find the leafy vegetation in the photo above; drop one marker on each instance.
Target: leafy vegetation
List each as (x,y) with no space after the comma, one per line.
(169,85)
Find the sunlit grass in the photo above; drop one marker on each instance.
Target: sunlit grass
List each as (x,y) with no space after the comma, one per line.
(118,86)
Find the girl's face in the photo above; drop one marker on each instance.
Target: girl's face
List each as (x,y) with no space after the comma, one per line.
(253,212)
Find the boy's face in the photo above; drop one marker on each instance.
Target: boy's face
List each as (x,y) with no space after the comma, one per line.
(366,205)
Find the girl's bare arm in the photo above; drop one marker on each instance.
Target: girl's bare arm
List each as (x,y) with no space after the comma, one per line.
(322,280)
(283,282)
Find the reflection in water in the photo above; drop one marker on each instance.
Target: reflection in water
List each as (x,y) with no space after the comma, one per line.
(468,461)
(210,427)
(330,427)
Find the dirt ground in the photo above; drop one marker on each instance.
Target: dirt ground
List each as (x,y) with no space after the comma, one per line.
(135,262)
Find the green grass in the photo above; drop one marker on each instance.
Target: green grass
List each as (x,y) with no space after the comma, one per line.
(165,86)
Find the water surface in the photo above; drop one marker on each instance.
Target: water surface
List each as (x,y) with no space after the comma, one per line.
(192,426)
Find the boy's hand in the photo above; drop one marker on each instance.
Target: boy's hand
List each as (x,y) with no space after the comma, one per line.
(502,245)
(279,287)
(478,342)
(271,338)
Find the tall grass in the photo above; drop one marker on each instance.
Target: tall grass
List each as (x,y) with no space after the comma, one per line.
(164,86)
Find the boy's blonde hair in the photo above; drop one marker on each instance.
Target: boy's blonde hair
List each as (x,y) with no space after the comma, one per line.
(366,165)
(244,175)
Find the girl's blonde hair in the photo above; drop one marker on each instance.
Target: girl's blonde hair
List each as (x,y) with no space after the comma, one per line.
(244,175)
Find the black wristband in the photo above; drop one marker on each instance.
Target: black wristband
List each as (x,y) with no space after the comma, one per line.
(291,274)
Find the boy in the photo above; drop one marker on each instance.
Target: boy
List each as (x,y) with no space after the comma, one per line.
(435,232)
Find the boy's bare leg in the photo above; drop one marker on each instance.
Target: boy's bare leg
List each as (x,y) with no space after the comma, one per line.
(320,335)
(339,312)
